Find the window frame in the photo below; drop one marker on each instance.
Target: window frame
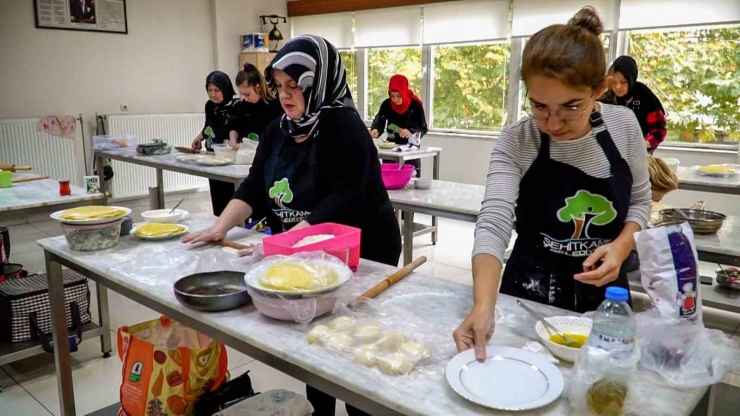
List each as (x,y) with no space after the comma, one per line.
(367,113)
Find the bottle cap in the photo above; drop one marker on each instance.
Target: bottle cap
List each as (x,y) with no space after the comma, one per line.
(617,294)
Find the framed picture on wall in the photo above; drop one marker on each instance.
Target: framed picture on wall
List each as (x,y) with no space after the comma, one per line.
(90,15)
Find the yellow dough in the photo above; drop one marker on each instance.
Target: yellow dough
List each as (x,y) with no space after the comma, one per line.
(341,322)
(395,363)
(91,213)
(316,335)
(416,351)
(367,355)
(391,341)
(717,169)
(367,334)
(158,230)
(339,341)
(292,276)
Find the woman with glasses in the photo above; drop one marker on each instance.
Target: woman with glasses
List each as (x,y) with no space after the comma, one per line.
(573,176)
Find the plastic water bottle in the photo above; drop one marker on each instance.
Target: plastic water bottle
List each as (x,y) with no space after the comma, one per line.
(614,324)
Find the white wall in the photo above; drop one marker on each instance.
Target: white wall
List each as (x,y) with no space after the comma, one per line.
(466,160)
(234,18)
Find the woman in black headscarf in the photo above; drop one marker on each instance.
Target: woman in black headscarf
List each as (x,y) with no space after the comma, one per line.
(221,110)
(627,91)
(315,164)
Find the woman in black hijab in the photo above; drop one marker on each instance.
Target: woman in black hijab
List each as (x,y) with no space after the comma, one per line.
(637,96)
(221,110)
(315,164)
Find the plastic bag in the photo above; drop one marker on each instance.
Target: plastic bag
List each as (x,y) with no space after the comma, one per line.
(669,270)
(247,151)
(601,382)
(300,287)
(166,367)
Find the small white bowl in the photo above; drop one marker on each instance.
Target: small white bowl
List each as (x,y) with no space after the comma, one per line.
(420,183)
(163,215)
(566,325)
(672,163)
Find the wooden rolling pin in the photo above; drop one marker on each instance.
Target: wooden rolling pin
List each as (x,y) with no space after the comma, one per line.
(231,244)
(35,178)
(390,281)
(13,168)
(188,150)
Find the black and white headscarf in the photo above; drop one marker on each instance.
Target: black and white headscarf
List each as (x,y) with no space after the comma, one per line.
(316,67)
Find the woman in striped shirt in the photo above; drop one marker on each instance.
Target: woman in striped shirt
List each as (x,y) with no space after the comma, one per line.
(574,176)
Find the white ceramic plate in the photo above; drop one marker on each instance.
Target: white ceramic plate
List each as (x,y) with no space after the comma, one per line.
(58,216)
(254,275)
(166,237)
(213,161)
(511,379)
(189,158)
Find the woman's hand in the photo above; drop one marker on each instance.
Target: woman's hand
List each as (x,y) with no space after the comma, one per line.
(196,144)
(404,133)
(205,236)
(612,256)
(475,332)
(374,133)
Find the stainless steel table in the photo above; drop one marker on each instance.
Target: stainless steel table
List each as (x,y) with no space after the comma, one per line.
(282,345)
(417,154)
(231,173)
(689,180)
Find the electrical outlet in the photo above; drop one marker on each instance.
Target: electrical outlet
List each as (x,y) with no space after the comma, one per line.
(124,107)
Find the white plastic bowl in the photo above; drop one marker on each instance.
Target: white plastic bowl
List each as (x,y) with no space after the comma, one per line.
(163,215)
(422,183)
(224,152)
(566,325)
(672,163)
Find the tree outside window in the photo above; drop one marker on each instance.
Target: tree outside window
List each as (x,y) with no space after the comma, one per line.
(382,64)
(696,75)
(470,86)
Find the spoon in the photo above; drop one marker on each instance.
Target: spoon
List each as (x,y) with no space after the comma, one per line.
(547,325)
(681,213)
(178,204)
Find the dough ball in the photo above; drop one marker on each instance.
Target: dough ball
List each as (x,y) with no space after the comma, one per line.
(416,350)
(367,334)
(316,334)
(367,355)
(391,341)
(341,322)
(395,363)
(339,341)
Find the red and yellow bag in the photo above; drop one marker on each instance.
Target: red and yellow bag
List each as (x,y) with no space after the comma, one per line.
(166,367)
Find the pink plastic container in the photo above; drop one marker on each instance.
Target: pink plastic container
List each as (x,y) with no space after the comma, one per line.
(345,246)
(395,178)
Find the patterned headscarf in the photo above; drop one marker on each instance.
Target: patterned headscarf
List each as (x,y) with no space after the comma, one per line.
(316,67)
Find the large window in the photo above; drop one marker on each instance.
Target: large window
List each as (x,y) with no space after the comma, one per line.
(696,75)
(349,58)
(470,85)
(382,64)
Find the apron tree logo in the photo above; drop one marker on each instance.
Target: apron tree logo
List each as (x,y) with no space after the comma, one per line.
(585,209)
(280,192)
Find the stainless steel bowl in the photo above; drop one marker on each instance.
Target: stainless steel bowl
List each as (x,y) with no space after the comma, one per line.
(703,222)
(729,278)
(214,291)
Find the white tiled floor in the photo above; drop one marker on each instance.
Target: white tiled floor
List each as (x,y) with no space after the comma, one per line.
(30,385)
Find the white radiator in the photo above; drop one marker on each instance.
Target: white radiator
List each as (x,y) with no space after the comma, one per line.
(175,129)
(22,143)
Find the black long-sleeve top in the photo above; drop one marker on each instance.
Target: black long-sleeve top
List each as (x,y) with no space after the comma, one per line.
(413,120)
(220,120)
(253,118)
(349,182)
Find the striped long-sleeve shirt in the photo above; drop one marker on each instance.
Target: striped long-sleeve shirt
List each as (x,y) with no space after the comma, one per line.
(516,150)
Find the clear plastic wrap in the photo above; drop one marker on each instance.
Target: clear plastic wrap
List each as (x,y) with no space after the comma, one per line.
(300,287)
(671,335)
(602,383)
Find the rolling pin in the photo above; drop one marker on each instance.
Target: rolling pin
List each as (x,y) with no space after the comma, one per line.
(390,281)
(188,150)
(13,168)
(231,244)
(35,178)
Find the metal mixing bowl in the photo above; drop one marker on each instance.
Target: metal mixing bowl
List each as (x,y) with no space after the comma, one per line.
(214,291)
(703,222)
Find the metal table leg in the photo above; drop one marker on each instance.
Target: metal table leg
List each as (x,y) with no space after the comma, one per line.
(435,176)
(62,357)
(104,318)
(408,237)
(160,189)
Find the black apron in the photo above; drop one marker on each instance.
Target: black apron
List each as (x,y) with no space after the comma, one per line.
(562,216)
(291,180)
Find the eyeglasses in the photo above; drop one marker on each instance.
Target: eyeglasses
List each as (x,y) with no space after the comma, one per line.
(566,113)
